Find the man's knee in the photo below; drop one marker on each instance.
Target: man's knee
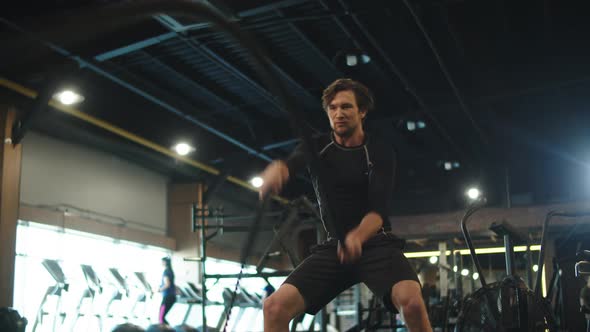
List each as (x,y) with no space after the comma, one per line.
(274,309)
(411,307)
(407,297)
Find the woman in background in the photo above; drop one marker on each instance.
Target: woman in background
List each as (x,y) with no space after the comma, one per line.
(168,290)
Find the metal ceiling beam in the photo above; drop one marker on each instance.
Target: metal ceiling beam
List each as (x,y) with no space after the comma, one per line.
(173,25)
(165,105)
(128,135)
(270,7)
(280,144)
(312,46)
(293,82)
(343,27)
(229,67)
(213,56)
(463,105)
(150,41)
(179,28)
(173,109)
(227,107)
(206,51)
(134,47)
(191,27)
(406,83)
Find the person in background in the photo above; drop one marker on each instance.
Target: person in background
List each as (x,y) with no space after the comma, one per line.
(168,290)
(268,289)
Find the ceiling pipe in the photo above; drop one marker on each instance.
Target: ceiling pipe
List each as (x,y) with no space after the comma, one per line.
(405,82)
(91,64)
(128,135)
(447,75)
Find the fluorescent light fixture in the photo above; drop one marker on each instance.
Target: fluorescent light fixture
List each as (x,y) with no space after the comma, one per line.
(257,182)
(465,252)
(346,312)
(465,272)
(475,276)
(473,193)
(535,267)
(68,97)
(433,259)
(423,254)
(183,148)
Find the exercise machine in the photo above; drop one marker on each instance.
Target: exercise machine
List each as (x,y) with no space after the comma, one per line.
(508,305)
(90,293)
(56,290)
(583,270)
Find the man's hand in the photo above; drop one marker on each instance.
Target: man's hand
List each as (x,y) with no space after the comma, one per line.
(353,248)
(274,177)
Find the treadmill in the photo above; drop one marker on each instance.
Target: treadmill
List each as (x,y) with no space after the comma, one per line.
(186,296)
(93,289)
(243,300)
(119,294)
(145,293)
(60,286)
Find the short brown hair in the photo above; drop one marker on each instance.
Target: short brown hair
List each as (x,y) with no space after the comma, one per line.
(364,97)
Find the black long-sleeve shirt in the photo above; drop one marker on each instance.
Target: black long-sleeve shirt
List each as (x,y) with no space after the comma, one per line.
(358,180)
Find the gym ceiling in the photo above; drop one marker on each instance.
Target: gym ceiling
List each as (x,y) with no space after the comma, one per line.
(501,88)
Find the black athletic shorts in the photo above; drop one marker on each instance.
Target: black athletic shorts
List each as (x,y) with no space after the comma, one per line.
(321,277)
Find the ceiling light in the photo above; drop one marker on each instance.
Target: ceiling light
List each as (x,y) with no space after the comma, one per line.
(455,268)
(257,182)
(433,259)
(351,60)
(464,272)
(448,166)
(411,125)
(456,164)
(535,267)
(473,193)
(68,97)
(475,275)
(183,149)
(421,124)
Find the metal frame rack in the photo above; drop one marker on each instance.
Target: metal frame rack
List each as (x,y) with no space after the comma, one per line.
(204,218)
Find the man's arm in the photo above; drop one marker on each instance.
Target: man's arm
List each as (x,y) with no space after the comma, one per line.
(380,192)
(381,184)
(278,172)
(369,226)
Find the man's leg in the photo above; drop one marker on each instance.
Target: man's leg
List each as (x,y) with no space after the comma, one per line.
(406,295)
(282,306)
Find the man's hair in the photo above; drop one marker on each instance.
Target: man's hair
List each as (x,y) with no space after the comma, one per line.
(364,97)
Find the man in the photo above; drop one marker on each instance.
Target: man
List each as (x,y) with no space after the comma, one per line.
(357,186)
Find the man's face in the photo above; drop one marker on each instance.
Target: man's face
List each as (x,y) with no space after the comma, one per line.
(344,114)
